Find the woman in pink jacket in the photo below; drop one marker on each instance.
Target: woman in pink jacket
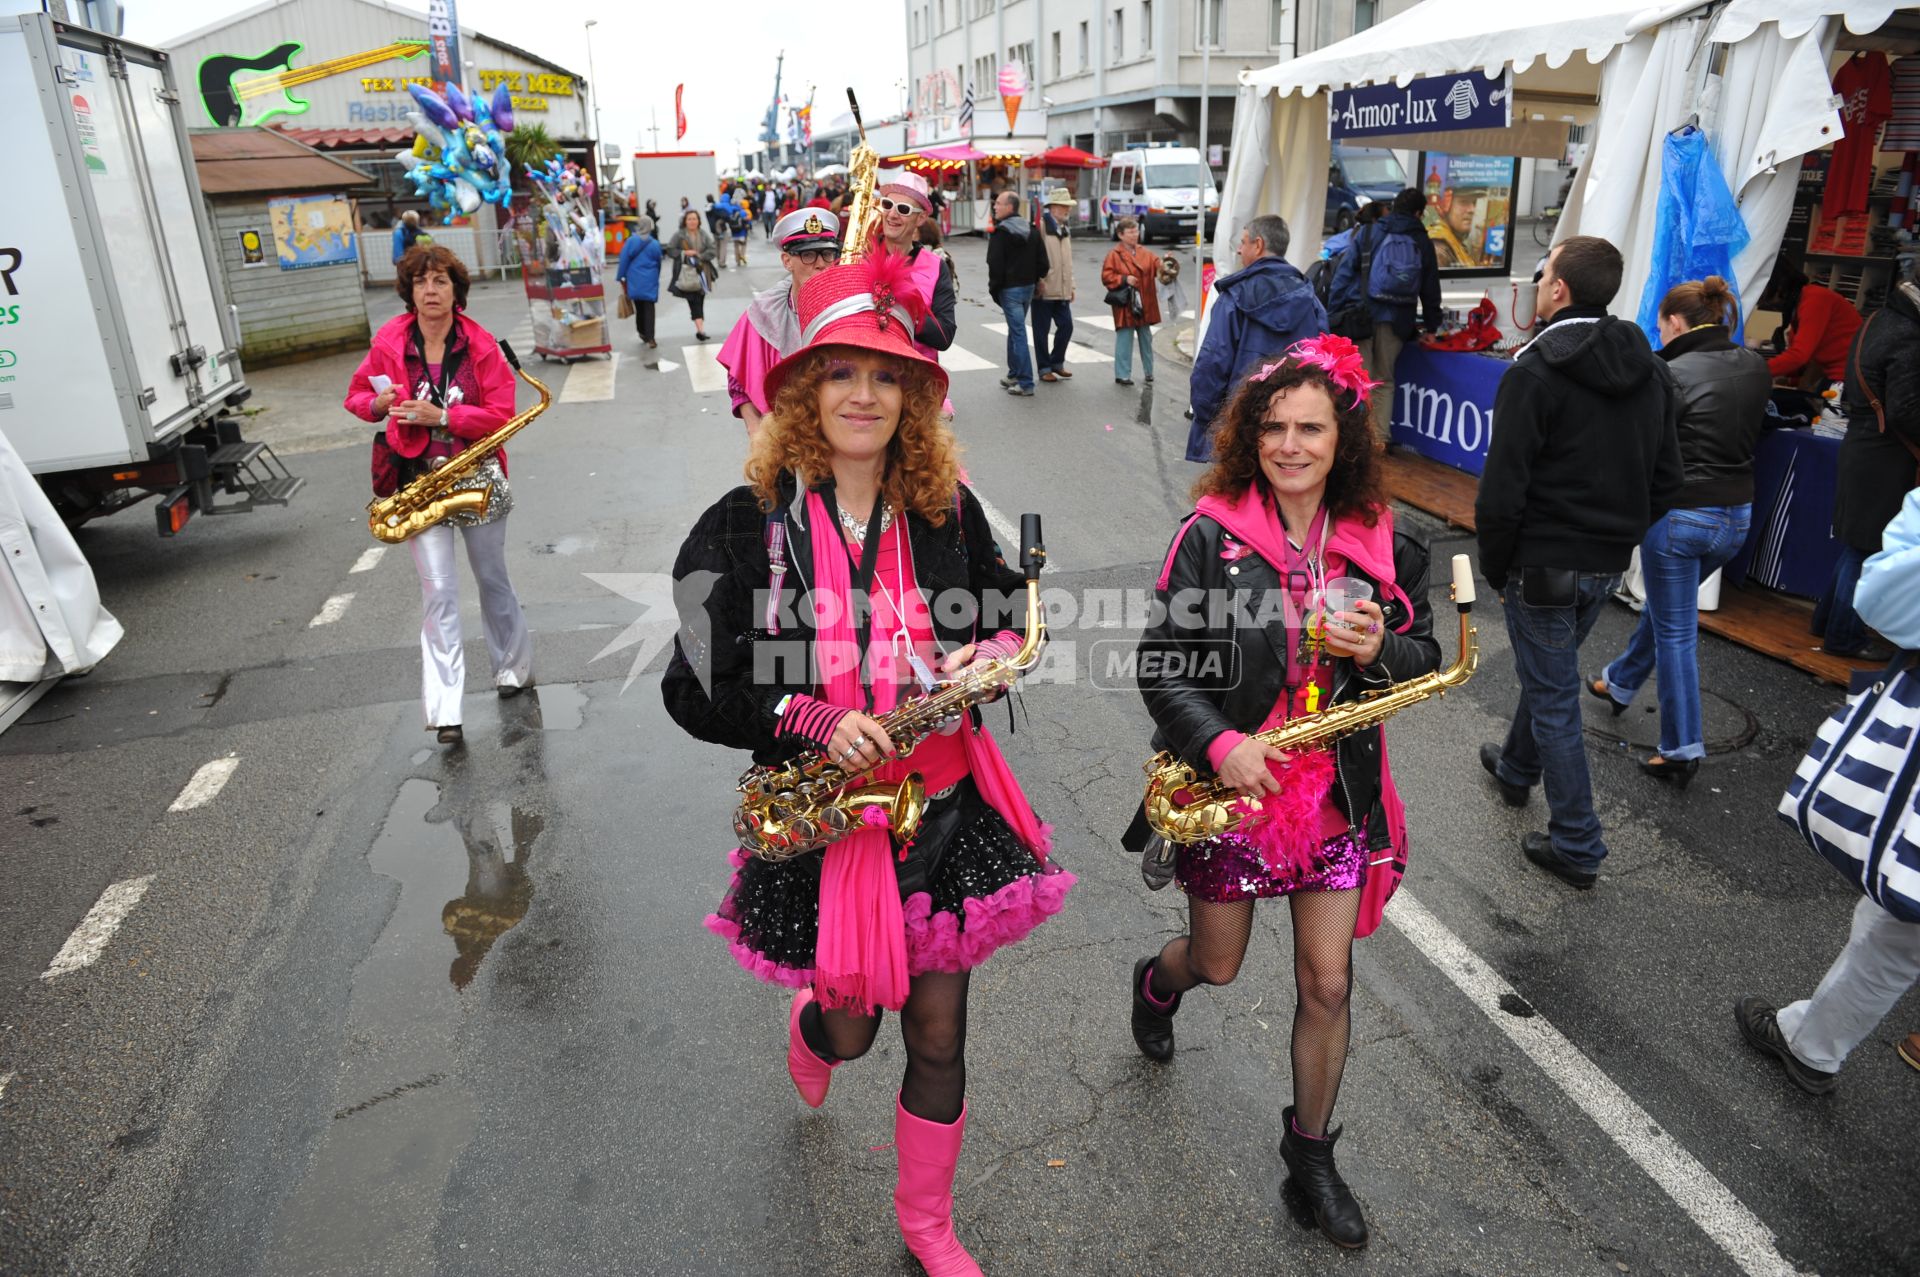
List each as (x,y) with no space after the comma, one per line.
(442,383)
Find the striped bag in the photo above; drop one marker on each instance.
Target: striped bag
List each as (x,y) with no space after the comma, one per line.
(1853,796)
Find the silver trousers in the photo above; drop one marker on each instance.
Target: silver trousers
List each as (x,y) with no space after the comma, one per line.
(443,663)
(1879,964)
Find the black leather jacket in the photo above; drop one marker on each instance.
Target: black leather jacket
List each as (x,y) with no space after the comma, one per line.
(729,673)
(1723,410)
(1189,713)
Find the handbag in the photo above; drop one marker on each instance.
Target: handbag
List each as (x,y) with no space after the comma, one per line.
(688,279)
(391,471)
(1124,297)
(1852,796)
(625,309)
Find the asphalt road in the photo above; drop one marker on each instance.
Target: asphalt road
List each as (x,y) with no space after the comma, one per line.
(386,1009)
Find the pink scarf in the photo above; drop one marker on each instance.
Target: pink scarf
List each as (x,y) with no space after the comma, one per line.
(860,957)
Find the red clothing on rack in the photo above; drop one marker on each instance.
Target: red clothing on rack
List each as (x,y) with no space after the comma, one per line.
(1864,85)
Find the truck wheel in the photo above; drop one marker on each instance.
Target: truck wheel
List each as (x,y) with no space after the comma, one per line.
(1342,220)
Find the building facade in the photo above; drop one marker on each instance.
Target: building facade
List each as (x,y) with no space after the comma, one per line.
(351,99)
(1103,74)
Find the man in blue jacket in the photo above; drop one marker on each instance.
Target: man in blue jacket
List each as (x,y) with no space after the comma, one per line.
(1403,275)
(1260,310)
(639,273)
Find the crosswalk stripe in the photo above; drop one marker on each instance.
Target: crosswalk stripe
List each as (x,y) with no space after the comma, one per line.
(704,369)
(957,358)
(591,381)
(1076,353)
(90,938)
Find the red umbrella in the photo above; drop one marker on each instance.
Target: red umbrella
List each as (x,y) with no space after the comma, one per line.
(1065,157)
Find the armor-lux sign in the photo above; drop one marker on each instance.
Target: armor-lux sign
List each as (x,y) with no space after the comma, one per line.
(1437,104)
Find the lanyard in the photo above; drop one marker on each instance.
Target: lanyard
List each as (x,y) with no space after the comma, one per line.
(449,364)
(1305,651)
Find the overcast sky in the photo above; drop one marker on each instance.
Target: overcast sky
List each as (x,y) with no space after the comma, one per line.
(723,50)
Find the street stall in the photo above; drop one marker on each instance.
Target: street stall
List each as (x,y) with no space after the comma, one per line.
(1065,166)
(1749,87)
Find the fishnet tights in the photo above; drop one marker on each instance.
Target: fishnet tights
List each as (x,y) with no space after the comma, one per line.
(933,1025)
(1211,953)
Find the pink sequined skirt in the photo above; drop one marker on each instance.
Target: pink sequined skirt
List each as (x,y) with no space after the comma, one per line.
(1230,868)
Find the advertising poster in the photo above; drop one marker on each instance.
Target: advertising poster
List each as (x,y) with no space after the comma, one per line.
(312,230)
(1470,210)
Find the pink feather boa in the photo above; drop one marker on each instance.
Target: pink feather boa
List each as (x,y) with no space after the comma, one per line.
(1286,826)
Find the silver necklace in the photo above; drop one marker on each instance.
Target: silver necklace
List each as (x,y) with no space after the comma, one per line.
(857,528)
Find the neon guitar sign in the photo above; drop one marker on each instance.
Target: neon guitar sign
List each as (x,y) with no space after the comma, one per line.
(234,100)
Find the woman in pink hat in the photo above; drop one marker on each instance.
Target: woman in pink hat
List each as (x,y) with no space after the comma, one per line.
(853,477)
(442,384)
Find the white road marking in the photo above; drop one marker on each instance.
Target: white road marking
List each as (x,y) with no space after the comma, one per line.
(98,927)
(1007,533)
(666,365)
(1076,353)
(958,358)
(206,783)
(1695,1189)
(591,381)
(6,1080)
(996,326)
(703,368)
(332,610)
(1098,319)
(369,559)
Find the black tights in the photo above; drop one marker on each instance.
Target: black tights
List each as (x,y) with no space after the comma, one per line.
(1322,976)
(933,1024)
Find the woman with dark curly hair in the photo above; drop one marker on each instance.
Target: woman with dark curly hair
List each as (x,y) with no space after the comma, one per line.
(850,568)
(1291,503)
(440,381)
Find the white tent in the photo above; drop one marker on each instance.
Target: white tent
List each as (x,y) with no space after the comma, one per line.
(1639,69)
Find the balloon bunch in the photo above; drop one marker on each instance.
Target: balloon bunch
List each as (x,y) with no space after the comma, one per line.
(564,181)
(458,161)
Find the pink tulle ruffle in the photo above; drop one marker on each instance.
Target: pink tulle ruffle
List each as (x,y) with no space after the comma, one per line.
(937,942)
(758,967)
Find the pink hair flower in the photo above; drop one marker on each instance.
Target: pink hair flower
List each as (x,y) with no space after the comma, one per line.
(1340,359)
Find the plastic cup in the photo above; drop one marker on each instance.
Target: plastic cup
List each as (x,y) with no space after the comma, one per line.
(1345,594)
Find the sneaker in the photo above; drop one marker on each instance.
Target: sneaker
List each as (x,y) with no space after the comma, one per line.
(1760,1026)
(1538,848)
(1008,383)
(1020,391)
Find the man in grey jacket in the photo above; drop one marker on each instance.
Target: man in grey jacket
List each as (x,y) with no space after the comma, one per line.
(1015,262)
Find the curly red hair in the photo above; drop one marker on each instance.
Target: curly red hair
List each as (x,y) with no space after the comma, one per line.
(1355,488)
(923,458)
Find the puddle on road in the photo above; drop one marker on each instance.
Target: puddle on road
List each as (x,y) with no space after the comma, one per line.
(375,1185)
(562,706)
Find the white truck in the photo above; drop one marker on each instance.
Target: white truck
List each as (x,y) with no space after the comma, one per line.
(119,377)
(666,176)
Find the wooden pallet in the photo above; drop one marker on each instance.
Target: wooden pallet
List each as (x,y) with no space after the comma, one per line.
(1763,620)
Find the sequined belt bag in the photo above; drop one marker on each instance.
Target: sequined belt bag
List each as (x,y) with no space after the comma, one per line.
(948,812)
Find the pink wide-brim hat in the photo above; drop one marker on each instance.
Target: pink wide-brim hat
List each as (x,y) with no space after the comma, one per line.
(868,305)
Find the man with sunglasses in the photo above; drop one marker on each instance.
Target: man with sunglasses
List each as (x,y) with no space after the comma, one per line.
(770,330)
(905,204)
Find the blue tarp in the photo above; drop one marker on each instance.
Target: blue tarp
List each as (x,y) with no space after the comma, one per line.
(1698,230)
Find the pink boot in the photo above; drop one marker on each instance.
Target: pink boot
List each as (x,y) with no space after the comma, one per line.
(811,1074)
(923,1199)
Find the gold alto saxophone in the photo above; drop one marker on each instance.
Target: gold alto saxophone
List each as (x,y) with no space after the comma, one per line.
(863,175)
(1182,808)
(449,488)
(810,801)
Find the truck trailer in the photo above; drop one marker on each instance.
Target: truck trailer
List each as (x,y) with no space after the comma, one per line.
(120,376)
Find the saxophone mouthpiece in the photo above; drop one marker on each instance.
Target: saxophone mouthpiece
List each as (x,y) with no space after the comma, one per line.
(1462,582)
(1033,551)
(513,360)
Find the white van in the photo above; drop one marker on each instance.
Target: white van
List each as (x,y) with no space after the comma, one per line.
(1163,186)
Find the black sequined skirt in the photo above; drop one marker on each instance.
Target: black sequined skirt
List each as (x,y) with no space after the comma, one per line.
(988,891)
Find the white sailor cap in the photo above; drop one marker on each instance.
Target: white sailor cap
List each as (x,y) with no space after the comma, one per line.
(806,228)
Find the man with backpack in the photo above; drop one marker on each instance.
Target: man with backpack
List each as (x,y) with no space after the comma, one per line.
(1388,272)
(1259,311)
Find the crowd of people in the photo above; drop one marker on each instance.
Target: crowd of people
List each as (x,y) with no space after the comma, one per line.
(855,570)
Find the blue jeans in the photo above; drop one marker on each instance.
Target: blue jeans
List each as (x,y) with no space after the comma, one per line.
(1123,339)
(1013,304)
(1681,550)
(1833,617)
(1545,742)
(1059,316)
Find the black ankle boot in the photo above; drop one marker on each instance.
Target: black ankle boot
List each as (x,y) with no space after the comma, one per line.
(1152,1028)
(1310,1164)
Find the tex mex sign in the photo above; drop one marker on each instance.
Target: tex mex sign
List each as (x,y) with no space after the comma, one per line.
(1436,104)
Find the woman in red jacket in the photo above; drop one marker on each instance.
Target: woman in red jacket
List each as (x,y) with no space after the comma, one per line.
(444,383)
(1820,325)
